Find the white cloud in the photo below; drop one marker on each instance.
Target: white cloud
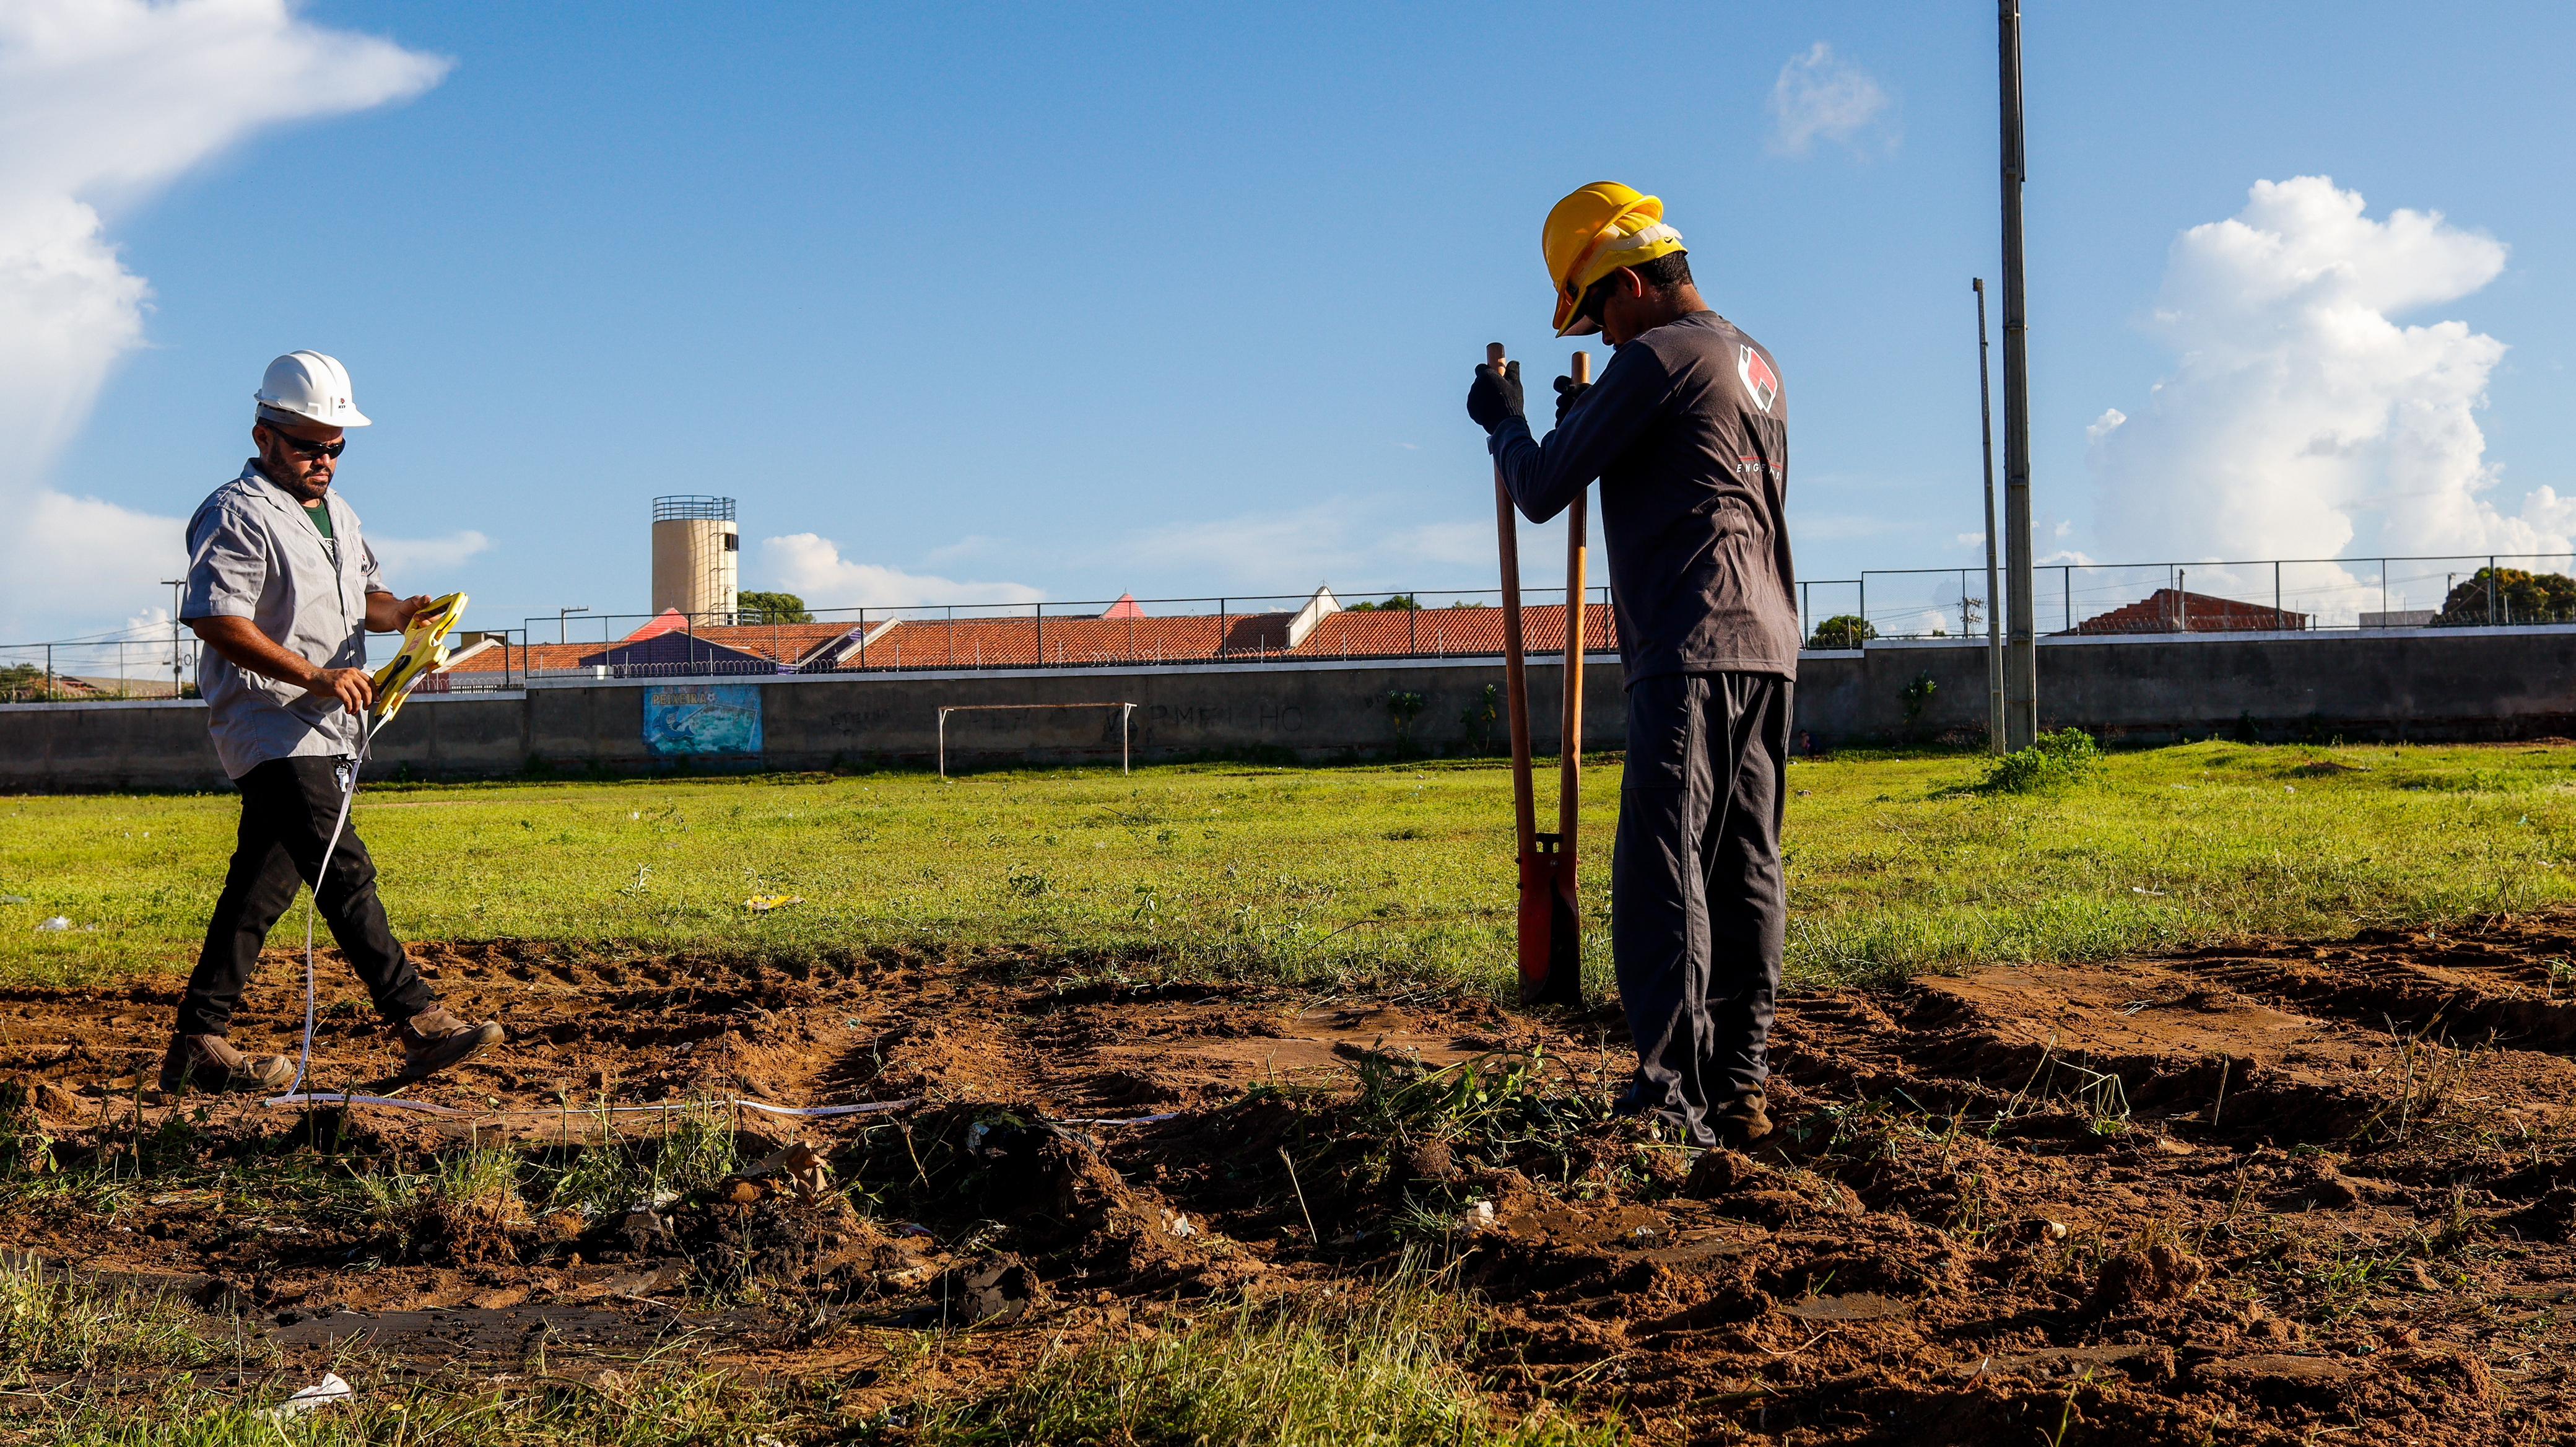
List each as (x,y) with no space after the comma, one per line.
(406,559)
(1820,95)
(965,549)
(102,101)
(2302,418)
(811,566)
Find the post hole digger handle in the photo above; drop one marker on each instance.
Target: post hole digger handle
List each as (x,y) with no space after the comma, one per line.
(1560,979)
(1546,934)
(1515,673)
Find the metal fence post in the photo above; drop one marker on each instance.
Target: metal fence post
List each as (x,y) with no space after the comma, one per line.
(2277,624)
(2491,592)
(2066,583)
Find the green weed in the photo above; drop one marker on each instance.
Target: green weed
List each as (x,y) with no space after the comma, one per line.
(51,1321)
(694,1150)
(1382,1372)
(2051,761)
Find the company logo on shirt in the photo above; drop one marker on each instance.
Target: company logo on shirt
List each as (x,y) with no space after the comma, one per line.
(1760,382)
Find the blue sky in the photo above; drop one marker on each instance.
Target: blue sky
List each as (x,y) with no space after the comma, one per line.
(1008,301)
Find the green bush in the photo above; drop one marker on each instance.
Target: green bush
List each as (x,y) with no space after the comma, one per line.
(2052,760)
(1843,630)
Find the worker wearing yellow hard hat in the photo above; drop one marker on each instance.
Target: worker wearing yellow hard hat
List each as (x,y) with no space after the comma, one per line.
(1687,432)
(1598,230)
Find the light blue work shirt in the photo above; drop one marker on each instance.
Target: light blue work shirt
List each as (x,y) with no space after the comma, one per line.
(253,554)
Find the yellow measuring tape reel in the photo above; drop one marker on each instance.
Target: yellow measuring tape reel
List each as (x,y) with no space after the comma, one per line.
(424,649)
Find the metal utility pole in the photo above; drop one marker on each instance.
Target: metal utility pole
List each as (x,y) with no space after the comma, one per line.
(174,585)
(561,626)
(1994,590)
(2021,658)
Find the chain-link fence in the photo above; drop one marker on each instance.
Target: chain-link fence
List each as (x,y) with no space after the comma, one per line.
(148,662)
(2268,595)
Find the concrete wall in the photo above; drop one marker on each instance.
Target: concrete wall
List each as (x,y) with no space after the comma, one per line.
(1312,712)
(2411,683)
(2424,684)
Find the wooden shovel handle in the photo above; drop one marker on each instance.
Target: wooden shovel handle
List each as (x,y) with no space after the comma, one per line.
(1569,795)
(1515,669)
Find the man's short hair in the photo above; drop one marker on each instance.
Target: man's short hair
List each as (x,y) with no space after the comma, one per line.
(1665,272)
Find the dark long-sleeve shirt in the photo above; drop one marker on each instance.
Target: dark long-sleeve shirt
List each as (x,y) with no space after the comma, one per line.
(1688,431)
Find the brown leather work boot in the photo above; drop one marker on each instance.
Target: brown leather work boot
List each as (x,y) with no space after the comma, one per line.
(210,1063)
(1741,1119)
(434,1040)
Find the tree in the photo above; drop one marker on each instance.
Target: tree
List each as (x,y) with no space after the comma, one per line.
(772,608)
(1400,603)
(1843,630)
(2519,597)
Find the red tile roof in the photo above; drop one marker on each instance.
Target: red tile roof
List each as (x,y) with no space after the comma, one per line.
(2169,610)
(1020,642)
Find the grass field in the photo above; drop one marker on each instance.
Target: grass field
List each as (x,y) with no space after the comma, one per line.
(1386,871)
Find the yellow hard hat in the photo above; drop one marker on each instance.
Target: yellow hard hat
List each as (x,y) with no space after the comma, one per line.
(1594,232)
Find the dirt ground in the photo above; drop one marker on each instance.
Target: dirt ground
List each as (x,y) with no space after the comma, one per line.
(2294,1193)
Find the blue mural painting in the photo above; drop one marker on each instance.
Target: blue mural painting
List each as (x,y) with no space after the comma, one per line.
(702,719)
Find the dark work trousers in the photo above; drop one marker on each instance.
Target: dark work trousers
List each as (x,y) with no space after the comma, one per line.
(288,807)
(1697,904)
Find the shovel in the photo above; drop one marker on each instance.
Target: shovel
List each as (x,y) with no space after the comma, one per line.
(1551,930)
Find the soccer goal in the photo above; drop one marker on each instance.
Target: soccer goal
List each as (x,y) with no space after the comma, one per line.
(1126,717)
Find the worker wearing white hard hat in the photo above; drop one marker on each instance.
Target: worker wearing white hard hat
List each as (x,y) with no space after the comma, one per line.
(284,589)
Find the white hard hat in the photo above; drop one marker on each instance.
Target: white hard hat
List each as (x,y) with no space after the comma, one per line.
(312,386)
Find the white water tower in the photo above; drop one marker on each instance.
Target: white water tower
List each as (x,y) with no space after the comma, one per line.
(697,558)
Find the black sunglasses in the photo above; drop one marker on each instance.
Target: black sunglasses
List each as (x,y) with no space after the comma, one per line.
(1594,301)
(303,448)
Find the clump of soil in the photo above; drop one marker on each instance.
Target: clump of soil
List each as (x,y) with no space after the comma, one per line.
(2161,1273)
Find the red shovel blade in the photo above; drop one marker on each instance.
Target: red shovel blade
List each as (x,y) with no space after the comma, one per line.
(1551,930)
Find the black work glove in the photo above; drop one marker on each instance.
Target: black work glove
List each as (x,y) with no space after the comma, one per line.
(1568,392)
(1495,396)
